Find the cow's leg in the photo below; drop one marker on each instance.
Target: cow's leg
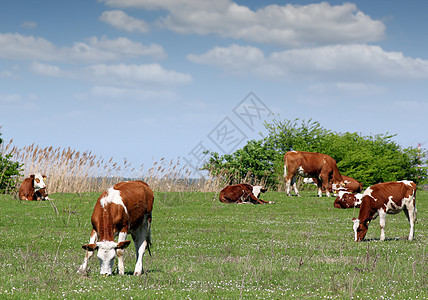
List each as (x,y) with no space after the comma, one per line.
(119,253)
(382,218)
(287,186)
(256,200)
(141,240)
(92,240)
(293,182)
(410,213)
(323,185)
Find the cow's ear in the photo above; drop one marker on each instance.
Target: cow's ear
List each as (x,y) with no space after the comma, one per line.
(353,219)
(123,245)
(32,176)
(90,247)
(44,177)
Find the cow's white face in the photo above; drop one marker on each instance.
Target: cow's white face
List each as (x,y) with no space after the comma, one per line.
(39,182)
(106,255)
(257,189)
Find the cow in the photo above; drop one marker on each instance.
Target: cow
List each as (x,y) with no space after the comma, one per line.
(347,199)
(124,208)
(386,198)
(242,193)
(33,188)
(314,165)
(351,185)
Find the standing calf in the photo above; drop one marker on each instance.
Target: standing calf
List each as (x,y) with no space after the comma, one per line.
(386,198)
(33,188)
(124,208)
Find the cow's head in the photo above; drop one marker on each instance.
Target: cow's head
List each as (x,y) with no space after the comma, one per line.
(337,186)
(38,181)
(257,189)
(345,200)
(106,253)
(360,229)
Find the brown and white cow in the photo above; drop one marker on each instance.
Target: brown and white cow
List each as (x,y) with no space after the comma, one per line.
(311,164)
(351,185)
(242,193)
(33,188)
(346,199)
(386,198)
(124,208)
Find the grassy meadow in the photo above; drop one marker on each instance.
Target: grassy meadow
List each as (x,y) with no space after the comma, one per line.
(203,249)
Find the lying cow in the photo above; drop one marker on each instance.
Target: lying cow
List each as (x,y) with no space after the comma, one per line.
(33,188)
(242,193)
(348,200)
(124,208)
(386,198)
(350,184)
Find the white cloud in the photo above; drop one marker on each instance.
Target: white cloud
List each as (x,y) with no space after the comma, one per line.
(10,102)
(29,24)
(115,93)
(351,62)
(46,70)
(17,46)
(129,75)
(6,74)
(289,25)
(126,47)
(340,89)
(121,20)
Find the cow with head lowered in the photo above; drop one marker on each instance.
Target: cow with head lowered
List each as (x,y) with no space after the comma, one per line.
(313,165)
(242,193)
(33,188)
(124,208)
(386,198)
(351,185)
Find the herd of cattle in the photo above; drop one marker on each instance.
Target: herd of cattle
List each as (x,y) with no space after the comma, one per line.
(126,208)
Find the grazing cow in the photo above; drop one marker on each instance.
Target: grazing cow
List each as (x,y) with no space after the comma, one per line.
(351,185)
(348,200)
(124,208)
(311,164)
(242,193)
(386,198)
(33,188)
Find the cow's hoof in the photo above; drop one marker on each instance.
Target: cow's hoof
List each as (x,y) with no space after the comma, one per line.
(271,202)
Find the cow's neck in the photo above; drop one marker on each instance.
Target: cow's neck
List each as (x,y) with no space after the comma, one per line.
(105,229)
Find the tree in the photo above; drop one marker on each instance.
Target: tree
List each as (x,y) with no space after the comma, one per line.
(369,159)
(8,170)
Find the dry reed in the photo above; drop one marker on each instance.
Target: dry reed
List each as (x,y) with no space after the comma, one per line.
(72,171)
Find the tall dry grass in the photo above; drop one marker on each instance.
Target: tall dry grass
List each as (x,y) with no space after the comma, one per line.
(72,171)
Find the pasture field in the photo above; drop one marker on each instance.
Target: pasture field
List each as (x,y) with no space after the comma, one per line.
(202,249)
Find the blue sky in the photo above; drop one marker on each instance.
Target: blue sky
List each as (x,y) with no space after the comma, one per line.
(146,79)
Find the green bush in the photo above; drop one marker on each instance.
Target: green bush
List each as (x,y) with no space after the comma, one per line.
(369,159)
(9,170)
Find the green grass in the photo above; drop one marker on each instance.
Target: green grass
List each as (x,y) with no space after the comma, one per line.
(203,249)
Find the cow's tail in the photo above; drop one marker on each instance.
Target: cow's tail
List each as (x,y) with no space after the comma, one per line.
(149,234)
(285,167)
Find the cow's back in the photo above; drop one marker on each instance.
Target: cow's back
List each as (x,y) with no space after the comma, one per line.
(26,190)
(312,162)
(397,189)
(353,185)
(233,193)
(137,197)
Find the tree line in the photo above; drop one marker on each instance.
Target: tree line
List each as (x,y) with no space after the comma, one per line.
(369,159)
